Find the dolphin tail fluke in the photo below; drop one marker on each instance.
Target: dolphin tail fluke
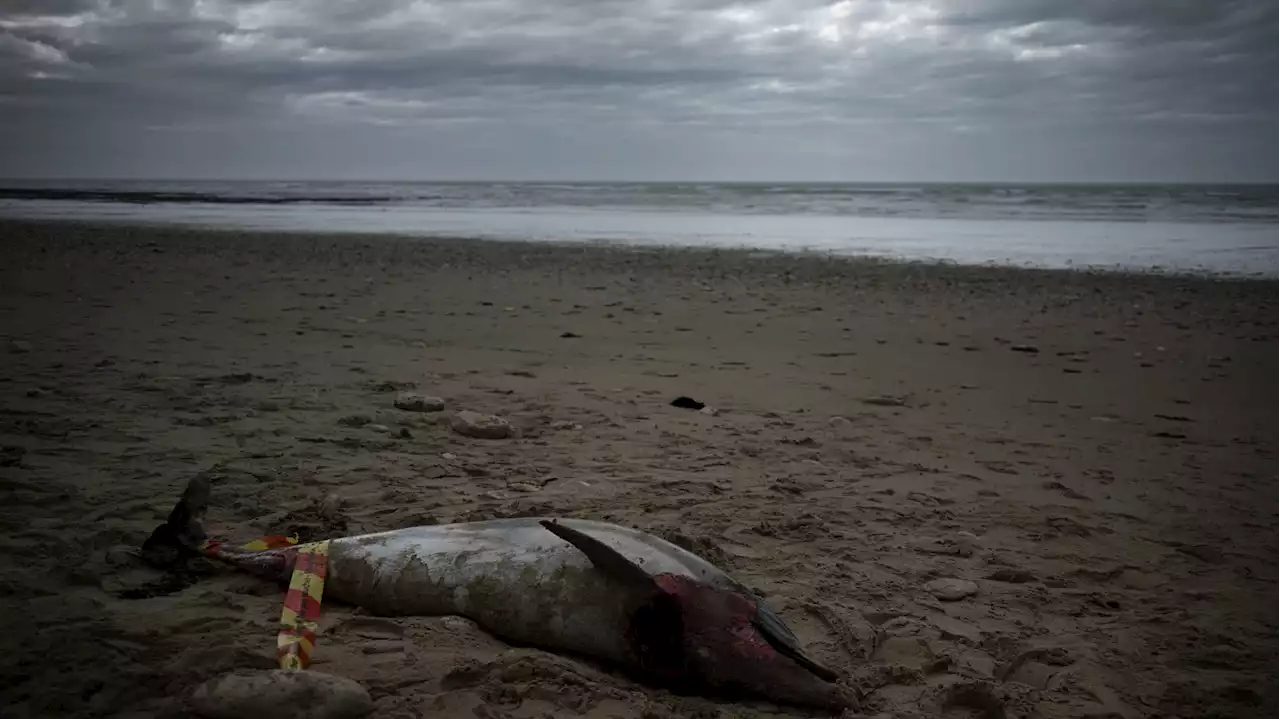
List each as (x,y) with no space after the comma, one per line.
(187,517)
(183,535)
(183,532)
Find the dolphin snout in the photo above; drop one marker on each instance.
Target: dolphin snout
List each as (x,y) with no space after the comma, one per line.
(729,640)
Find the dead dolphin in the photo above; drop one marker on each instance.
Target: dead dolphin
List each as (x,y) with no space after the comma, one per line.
(592,588)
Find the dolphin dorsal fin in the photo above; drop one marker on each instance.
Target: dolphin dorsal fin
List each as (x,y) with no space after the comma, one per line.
(605,558)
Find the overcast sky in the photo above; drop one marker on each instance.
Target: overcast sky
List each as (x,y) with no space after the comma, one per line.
(1042,90)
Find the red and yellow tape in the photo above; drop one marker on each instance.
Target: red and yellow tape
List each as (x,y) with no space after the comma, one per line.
(300,617)
(272,542)
(213,547)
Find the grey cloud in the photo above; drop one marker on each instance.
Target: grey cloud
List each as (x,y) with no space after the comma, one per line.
(982,89)
(1145,13)
(43,7)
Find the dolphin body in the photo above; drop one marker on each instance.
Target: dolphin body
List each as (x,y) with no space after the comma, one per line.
(592,588)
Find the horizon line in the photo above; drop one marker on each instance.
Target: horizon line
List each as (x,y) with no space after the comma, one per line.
(581,181)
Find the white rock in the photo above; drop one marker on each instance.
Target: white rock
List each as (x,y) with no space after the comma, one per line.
(966,544)
(950,589)
(414,402)
(122,555)
(331,506)
(481,426)
(281,694)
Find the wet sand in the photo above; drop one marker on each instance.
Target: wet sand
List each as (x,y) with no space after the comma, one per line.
(1095,453)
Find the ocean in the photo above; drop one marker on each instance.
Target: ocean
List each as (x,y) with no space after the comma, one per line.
(1218,229)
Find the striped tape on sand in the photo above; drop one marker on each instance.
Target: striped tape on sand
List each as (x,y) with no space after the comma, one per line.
(301,614)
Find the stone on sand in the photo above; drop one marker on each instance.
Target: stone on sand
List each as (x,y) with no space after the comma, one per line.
(414,402)
(966,543)
(331,506)
(391,386)
(1012,575)
(281,694)
(961,544)
(885,400)
(19,347)
(481,426)
(121,555)
(949,589)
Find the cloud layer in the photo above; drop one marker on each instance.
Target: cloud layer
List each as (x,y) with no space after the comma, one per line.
(619,89)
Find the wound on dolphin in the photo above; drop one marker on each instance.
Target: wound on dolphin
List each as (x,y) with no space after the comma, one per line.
(577,586)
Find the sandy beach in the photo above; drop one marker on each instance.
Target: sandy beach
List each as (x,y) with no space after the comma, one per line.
(1095,453)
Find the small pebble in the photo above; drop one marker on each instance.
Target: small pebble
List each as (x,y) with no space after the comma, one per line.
(331,506)
(1011,575)
(966,544)
(885,401)
(481,426)
(950,589)
(413,402)
(122,555)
